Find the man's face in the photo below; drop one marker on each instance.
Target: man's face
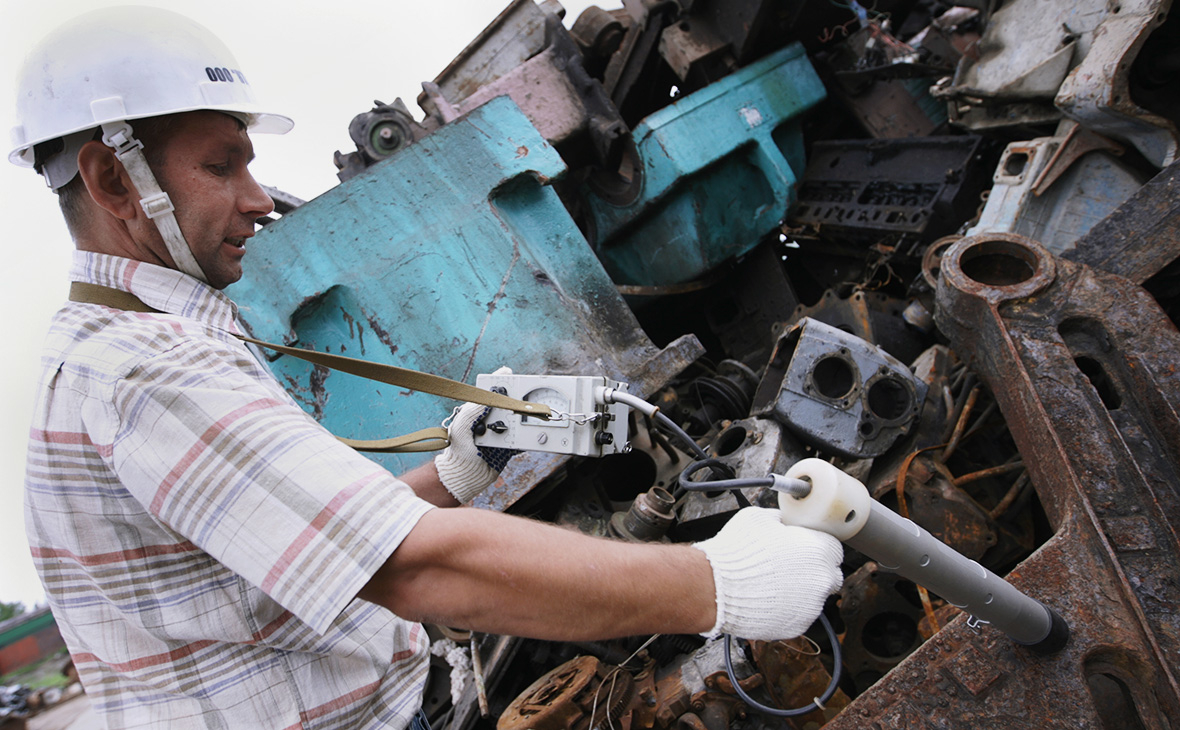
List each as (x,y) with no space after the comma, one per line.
(204,170)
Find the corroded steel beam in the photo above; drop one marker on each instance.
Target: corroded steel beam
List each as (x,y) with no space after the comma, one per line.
(1084,367)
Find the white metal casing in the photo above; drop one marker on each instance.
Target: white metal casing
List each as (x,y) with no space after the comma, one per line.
(586,426)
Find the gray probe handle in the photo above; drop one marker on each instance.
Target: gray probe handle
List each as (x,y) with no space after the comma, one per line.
(841,506)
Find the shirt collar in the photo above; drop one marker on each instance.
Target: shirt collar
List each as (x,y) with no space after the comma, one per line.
(158,287)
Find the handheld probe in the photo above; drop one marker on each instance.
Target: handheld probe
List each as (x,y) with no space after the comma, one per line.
(818,495)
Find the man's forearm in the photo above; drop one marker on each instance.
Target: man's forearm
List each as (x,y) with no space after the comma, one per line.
(426,484)
(501,574)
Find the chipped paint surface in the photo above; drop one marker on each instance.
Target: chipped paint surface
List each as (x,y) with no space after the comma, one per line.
(476,265)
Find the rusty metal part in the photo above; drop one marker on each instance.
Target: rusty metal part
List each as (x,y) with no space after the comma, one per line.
(693,693)
(922,186)
(949,513)
(597,32)
(581,694)
(1078,141)
(1141,236)
(673,701)
(1083,366)
(932,259)
(645,703)
(496,663)
(880,611)
(960,424)
(795,675)
(378,134)
(990,472)
(1097,91)
(718,704)
(693,50)
(871,316)
(648,518)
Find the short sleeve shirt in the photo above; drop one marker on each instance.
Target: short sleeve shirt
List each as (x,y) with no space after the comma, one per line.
(199,536)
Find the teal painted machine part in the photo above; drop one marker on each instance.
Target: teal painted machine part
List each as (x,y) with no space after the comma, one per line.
(453,257)
(718,174)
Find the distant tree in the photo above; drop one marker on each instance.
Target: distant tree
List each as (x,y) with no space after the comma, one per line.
(8,610)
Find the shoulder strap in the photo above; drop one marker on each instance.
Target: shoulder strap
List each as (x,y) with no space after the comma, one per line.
(424,440)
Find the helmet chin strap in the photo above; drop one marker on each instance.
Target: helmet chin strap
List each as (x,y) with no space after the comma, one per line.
(155,202)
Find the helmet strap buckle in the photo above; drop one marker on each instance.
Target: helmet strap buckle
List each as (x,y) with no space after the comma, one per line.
(157,205)
(120,137)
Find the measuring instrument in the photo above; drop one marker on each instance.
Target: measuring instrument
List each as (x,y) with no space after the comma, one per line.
(585,419)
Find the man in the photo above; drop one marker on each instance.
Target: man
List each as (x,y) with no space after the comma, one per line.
(213,556)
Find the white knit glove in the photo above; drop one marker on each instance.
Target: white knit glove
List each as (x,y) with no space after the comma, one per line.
(771,579)
(465,469)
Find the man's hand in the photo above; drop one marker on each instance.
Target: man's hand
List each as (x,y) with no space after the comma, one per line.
(771,579)
(465,469)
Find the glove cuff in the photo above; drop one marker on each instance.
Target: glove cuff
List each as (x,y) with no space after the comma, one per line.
(740,570)
(770,580)
(464,475)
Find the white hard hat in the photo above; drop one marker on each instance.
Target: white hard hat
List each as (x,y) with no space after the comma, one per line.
(126,63)
(116,65)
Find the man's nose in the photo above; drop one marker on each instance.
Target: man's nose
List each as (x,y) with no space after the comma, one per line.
(254,200)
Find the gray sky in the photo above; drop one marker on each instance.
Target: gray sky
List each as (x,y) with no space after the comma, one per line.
(320,63)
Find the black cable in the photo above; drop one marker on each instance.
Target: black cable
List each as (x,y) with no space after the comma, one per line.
(837,668)
(669,424)
(715,485)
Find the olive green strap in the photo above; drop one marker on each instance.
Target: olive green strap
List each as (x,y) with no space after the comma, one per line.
(424,440)
(428,439)
(85,293)
(411,379)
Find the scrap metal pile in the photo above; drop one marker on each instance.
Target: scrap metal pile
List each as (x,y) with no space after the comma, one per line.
(933,244)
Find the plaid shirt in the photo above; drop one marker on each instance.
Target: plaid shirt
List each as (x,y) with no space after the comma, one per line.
(200,537)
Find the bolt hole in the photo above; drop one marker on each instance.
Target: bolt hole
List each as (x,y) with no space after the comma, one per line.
(850,516)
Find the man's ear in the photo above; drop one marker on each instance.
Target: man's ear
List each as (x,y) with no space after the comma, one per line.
(107,181)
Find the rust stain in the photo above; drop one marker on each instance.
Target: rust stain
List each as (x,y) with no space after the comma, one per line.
(380,331)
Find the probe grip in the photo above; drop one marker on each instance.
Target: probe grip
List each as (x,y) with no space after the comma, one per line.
(841,506)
